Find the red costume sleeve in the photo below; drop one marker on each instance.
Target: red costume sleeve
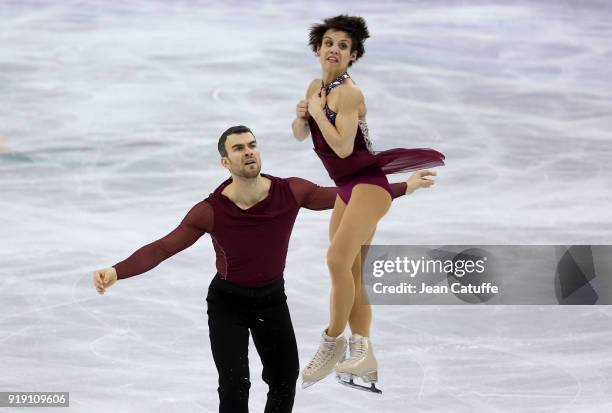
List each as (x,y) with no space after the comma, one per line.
(399,189)
(198,221)
(312,196)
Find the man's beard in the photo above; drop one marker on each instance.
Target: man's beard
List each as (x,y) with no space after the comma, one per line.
(249,172)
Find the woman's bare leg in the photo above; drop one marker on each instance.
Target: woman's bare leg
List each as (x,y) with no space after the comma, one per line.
(360,318)
(368,204)
(334,223)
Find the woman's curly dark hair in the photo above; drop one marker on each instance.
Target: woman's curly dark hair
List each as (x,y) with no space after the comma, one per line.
(353,25)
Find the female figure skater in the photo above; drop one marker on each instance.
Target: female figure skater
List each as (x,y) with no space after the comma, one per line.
(334,114)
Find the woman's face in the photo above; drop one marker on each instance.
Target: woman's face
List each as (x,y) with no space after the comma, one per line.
(335,51)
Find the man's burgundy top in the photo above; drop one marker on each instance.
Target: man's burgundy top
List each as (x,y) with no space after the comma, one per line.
(250,244)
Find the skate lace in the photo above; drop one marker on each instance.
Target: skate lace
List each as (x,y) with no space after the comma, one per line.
(357,349)
(326,350)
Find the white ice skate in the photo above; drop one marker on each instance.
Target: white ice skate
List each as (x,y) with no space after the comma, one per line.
(360,364)
(331,351)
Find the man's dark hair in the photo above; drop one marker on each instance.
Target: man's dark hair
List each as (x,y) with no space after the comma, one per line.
(230,131)
(353,25)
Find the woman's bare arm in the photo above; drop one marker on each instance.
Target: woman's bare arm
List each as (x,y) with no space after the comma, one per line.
(341,136)
(299,126)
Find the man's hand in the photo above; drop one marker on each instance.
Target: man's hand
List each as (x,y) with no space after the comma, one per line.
(104,278)
(417,180)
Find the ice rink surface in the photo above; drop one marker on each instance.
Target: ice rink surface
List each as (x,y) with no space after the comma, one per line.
(109,118)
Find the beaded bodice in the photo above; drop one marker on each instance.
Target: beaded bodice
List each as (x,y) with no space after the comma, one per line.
(331,115)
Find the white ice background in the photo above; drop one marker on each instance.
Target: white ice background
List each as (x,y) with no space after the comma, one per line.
(109,117)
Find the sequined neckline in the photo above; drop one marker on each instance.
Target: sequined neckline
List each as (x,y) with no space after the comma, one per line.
(331,115)
(337,82)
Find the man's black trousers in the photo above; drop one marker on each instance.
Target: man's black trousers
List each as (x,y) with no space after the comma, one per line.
(233,311)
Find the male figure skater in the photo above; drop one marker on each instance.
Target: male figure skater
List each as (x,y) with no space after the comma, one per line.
(249,217)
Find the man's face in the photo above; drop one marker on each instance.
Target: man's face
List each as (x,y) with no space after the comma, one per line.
(242,158)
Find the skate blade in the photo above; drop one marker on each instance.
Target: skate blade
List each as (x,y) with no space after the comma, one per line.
(348,380)
(307,384)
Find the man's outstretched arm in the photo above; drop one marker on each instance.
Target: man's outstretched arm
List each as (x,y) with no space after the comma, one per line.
(312,196)
(198,221)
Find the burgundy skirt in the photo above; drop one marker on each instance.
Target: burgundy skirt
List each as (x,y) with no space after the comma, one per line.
(390,161)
